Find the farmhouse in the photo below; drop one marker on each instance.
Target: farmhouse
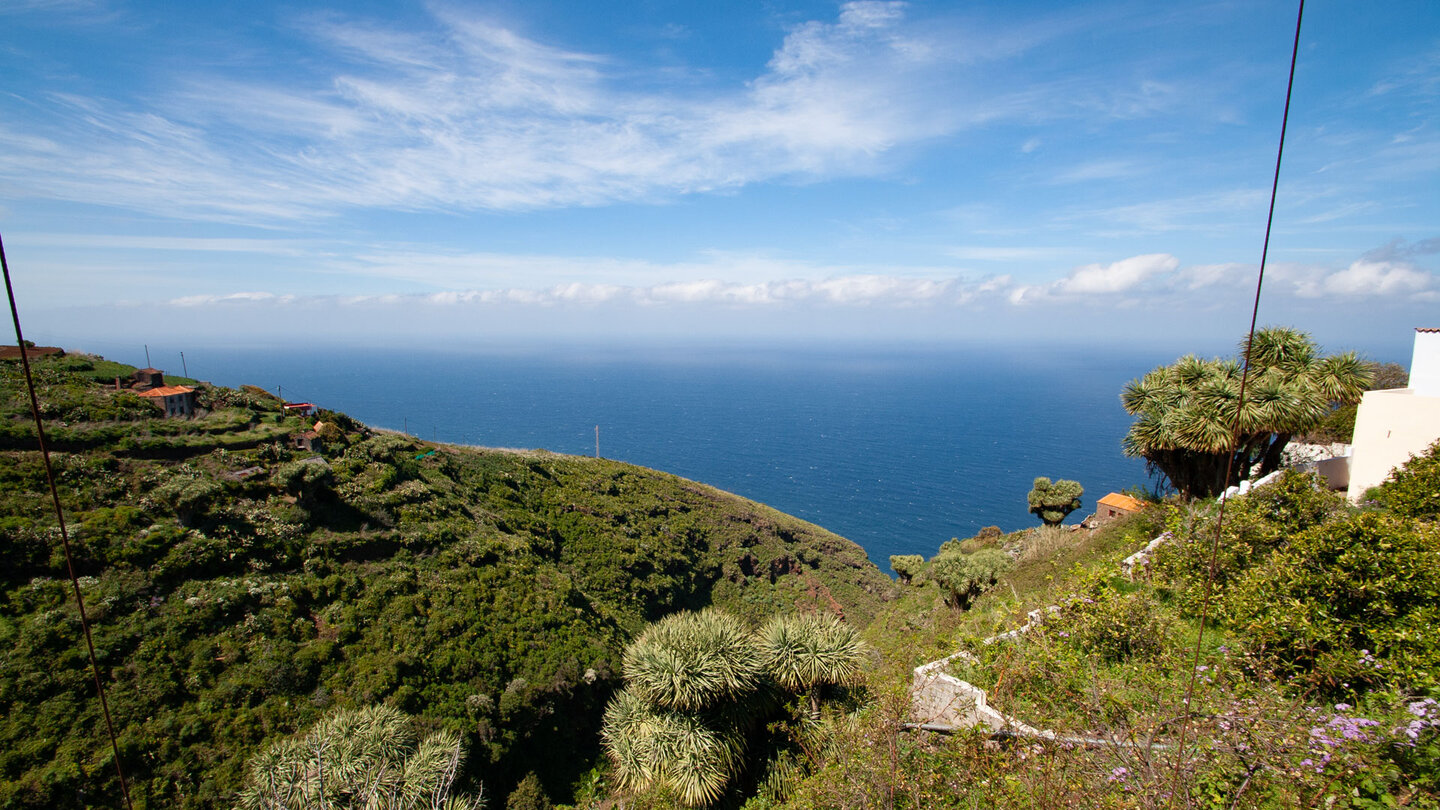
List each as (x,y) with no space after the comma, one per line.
(1114,505)
(175,400)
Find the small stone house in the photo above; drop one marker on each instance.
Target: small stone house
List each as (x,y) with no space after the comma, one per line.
(148,378)
(309,440)
(1115,505)
(175,400)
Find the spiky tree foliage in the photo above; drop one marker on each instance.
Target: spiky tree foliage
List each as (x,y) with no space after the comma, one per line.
(690,661)
(364,758)
(1185,412)
(965,576)
(1051,501)
(906,566)
(700,688)
(679,751)
(804,653)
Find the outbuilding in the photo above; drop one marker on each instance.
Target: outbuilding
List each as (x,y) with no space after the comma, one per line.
(175,400)
(1115,505)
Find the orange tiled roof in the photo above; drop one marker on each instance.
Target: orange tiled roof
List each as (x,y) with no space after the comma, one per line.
(166,391)
(1125,502)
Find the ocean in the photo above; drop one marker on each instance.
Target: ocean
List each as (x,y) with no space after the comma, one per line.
(899,448)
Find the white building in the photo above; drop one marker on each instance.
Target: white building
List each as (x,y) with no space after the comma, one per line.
(1394,424)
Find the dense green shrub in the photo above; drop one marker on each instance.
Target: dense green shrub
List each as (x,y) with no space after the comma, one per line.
(1413,489)
(528,795)
(1254,527)
(907,566)
(1354,601)
(1115,625)
(963,577)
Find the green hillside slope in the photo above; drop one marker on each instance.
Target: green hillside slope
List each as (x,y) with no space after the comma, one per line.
(238,588)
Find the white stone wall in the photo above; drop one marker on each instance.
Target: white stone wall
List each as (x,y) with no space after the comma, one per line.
(1390,427)
(1425,363)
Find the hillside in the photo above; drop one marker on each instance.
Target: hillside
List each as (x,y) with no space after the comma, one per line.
(1316,682)
(237,587)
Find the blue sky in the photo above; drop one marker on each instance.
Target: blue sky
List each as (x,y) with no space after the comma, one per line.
(478,172)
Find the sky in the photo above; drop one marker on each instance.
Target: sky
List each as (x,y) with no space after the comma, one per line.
(473,173)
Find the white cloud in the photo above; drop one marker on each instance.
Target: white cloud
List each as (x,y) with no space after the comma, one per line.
(470,115)
(1200,276)
(231,298)
(1117,276)
(476,116)
(1368,278)
(1098,170)
(840,291)
(1209,211)
(1006,253)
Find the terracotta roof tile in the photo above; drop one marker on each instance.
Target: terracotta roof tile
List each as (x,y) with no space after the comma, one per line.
(1125,502)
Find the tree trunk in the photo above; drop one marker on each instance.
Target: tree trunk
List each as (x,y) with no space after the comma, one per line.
(1271,460)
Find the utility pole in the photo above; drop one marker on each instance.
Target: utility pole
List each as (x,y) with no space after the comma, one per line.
(147,355)
(597,441)
(183,369)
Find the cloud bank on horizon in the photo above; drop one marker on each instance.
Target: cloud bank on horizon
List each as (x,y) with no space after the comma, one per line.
(867,169)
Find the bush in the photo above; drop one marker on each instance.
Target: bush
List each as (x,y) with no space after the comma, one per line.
(1118,626)
(1414,488)
(1255,526)
(1353,602)
(965,576)
(907,566)
(528,795)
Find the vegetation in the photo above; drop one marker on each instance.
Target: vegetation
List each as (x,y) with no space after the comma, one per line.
(1053,501)
(1315,683)
(700,689)
(907,566)
(241,591)
(1339,424)
(1185,412)
(359,759)
(1412,490)
(965,576)
(521,607)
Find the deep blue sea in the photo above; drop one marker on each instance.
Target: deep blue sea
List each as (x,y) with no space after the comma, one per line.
(898,449)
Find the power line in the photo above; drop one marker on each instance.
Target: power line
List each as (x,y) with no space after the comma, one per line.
(1186,709)
(60,516)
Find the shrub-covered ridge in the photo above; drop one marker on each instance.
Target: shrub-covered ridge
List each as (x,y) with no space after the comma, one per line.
(239,589)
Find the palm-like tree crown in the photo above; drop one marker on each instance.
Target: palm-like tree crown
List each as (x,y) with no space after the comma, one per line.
(1193,405)
(675,750)
(802,652)
(689,661)
(361,758)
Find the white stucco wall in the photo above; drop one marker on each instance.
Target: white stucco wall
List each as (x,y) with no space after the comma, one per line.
(1390,427)
(1425,363)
